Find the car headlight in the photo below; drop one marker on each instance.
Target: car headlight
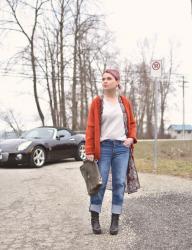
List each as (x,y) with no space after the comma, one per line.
(24,145)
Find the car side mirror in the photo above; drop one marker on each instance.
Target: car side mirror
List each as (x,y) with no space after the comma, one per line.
(58,137)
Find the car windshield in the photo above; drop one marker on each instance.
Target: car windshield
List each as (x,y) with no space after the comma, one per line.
(39,133)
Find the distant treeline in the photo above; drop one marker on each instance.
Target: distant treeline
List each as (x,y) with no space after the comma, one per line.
(68,47)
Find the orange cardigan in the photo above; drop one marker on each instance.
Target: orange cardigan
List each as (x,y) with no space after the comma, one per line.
(92,142)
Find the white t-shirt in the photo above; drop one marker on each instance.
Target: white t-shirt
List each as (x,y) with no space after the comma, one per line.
(112,124)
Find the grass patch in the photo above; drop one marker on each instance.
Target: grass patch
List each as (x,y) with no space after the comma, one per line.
(174,157)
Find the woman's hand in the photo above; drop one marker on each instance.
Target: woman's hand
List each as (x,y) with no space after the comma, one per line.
(90,157)
(128,142)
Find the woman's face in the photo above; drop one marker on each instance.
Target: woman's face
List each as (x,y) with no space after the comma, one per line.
(109,82)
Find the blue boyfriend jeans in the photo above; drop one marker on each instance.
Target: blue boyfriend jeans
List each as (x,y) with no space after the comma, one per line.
(114,155)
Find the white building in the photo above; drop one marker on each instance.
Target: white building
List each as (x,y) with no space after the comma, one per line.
(176,131)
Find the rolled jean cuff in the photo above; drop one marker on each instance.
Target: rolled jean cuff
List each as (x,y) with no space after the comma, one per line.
(116,209)
(95,208)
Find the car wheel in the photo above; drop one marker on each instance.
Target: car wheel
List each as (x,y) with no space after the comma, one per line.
(38,157)
(80,156)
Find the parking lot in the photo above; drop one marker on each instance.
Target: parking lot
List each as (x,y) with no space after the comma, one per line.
(47,208)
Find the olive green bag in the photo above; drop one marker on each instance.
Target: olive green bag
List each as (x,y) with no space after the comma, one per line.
(92,176)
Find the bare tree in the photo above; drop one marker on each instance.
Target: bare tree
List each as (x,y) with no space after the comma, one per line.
(74,85)
(166,88)
(68,49)
(63,7)
(10,119)
(13,5)
(54,61)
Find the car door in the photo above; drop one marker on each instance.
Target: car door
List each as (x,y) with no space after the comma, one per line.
(65,144)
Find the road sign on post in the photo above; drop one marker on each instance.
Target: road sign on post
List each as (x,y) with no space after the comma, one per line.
(156,68)
(156,71)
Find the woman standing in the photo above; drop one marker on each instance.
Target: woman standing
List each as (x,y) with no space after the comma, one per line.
(110,132)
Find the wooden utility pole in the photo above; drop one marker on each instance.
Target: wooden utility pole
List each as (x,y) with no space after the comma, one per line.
(191,7)
(183,127)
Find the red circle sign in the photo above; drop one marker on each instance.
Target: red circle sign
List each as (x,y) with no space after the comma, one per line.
(156,65)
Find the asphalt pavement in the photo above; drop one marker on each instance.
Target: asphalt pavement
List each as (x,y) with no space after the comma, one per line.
(47,208)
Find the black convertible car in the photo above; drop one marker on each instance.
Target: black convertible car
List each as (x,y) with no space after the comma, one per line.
(41,145)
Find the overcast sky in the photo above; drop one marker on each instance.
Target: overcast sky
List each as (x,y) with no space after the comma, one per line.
(131,21)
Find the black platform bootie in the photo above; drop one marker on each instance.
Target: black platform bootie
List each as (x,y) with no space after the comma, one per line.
(95,222)
(114,224)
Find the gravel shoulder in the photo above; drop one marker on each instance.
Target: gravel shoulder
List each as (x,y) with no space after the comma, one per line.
(47,208)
